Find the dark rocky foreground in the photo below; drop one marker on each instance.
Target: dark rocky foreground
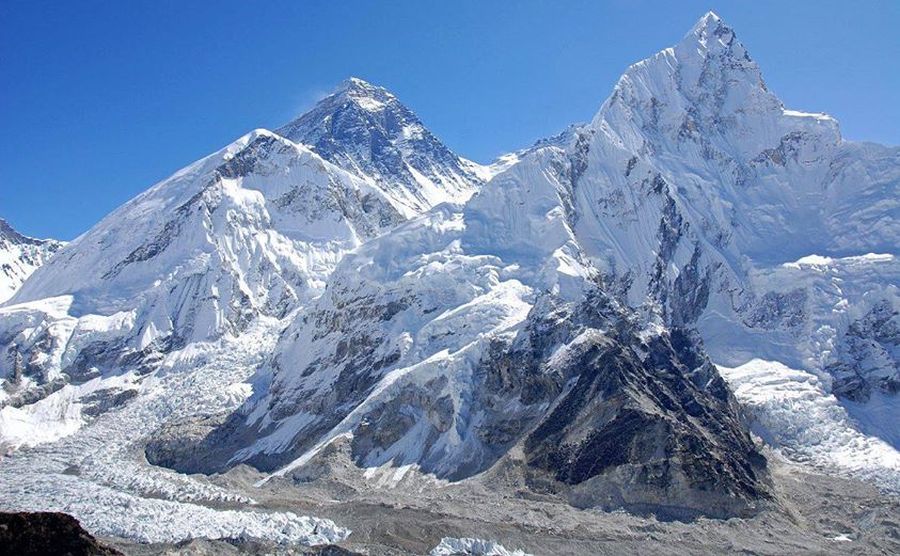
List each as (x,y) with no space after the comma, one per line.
(47,533)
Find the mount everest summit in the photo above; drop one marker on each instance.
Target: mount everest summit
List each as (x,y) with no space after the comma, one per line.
(648,312)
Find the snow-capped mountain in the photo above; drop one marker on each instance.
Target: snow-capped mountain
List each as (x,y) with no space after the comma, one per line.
(254,229)
(20,256)
(736,184)
(689,195)
(348,284)
(707,203)
(367,131)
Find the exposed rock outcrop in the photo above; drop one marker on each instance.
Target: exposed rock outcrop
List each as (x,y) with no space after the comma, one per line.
(46,533)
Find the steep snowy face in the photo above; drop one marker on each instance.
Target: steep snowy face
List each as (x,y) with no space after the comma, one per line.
(480,331)
(708,89)
(693,180)
(251,230)
(261,204)
(776,183)
(20,256)
(367,131)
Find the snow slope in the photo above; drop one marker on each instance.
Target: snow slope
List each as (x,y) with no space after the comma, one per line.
(251,230)
(20,256)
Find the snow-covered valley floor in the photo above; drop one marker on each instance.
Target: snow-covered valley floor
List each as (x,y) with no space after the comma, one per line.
(99,475)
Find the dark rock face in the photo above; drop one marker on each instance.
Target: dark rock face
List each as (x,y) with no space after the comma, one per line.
(649,428)
(188,446)
(644,424)
(47,533)
(775,310)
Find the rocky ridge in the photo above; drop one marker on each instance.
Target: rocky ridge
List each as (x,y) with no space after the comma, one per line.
(20,256)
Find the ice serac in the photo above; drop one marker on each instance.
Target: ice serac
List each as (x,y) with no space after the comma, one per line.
(367,131)
(20,256)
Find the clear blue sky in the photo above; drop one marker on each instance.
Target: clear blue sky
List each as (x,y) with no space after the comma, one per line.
(99,100)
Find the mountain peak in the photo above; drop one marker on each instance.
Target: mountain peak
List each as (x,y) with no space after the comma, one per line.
(355,84)
(366,130)
(705,86)
(705,24)
(364,94)
(712,36)
(351,96)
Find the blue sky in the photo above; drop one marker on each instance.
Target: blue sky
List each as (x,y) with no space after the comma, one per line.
(99,100)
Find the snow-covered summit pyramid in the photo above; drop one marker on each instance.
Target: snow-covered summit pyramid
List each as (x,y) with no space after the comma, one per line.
(367,131)
(20,256)
(780,182)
